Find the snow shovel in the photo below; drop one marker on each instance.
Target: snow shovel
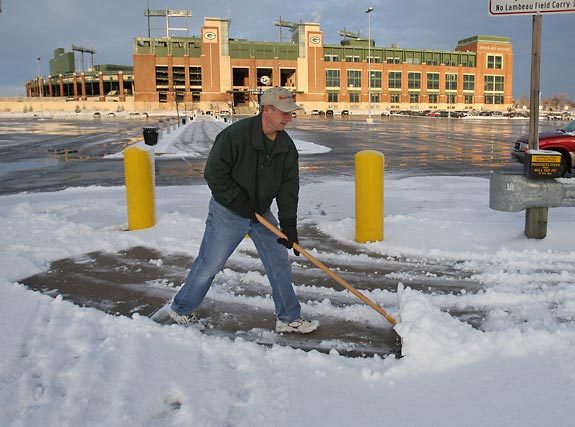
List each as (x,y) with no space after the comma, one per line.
(328,271)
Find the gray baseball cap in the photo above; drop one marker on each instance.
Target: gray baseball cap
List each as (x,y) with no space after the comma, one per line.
(281,98)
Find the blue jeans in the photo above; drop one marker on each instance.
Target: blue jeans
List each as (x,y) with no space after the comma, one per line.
(224,231)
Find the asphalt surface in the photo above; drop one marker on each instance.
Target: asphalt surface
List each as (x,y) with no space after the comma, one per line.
(55,154)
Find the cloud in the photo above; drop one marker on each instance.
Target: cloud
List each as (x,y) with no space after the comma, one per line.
(111,25)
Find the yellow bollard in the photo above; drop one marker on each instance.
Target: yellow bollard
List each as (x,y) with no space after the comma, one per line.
(369,168)
(139,173)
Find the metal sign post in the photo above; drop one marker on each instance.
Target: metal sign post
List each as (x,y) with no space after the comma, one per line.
(535,218)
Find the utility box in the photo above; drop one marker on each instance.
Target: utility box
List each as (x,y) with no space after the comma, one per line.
(541,164)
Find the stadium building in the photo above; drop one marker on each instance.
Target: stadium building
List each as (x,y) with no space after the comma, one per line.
(214,72)
(102,82)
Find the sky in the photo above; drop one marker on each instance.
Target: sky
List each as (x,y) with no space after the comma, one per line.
(63,364)
(35,28)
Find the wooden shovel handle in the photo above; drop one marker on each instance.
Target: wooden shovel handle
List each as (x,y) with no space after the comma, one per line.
(328,271)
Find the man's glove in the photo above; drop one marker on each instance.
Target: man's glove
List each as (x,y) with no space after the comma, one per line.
(244,207)
(290,232)
(247,210)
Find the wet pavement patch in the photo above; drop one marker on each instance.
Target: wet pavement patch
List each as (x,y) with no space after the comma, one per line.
(141,280)
(106,281)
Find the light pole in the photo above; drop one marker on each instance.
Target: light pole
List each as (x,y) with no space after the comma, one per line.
(40,89)
(368,11)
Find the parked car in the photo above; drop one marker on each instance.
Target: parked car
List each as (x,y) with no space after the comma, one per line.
(554,116)
(460,113)
(562,141)
(516,114)
(568,129)
(345,112)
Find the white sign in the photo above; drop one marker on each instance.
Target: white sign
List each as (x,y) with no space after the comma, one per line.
(529,7)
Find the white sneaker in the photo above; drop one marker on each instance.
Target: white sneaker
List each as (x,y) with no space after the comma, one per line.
(182,319)
(300,326)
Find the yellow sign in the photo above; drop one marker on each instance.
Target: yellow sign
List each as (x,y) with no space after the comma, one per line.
(545,159)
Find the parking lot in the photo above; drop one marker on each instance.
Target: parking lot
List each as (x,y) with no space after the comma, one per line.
(48,155)
(51,155)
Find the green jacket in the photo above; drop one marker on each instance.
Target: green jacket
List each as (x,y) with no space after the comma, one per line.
(238,169)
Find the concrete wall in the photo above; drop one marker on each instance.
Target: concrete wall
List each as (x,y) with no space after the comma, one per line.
(61,105)
(21,105)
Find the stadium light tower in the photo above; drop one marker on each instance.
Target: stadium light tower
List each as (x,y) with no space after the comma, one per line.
(368,11)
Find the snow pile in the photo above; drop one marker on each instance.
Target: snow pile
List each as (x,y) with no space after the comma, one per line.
(428,332)
(194,139)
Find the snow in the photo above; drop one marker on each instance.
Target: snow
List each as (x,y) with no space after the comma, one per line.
(175,141)
(65,365)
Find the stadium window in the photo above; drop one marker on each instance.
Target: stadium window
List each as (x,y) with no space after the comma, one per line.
(432,80)
(332,78)
(353,78)
(394,79)
(414,80)
(469,82)
(495,61)
(354,97)
(450,81)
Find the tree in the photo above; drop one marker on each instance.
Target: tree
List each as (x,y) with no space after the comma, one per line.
(557,102)
(522,101)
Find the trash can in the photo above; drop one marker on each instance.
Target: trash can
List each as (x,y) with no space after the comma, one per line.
(150,136)
(183,120)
